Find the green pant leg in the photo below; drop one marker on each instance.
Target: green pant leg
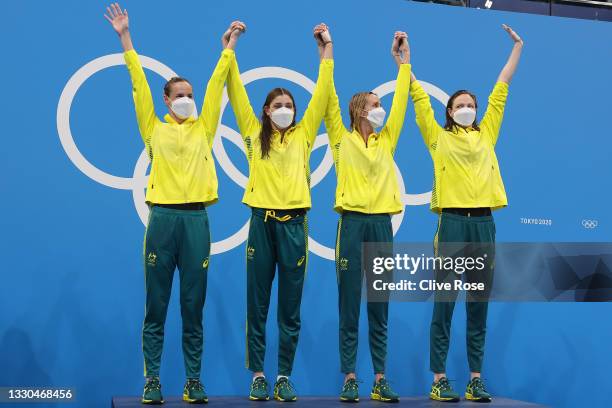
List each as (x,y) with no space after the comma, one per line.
(261,262)
(160,254)
(378,229)
(291,253)
(348,268)
(193,260)
(481,230)
(451,229)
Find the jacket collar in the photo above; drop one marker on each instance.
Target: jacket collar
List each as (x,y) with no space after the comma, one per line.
(170,119)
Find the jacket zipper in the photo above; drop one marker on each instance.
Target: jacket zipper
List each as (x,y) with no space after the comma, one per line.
(182,156)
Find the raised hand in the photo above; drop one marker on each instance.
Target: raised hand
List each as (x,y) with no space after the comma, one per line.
(230,36)
(400,49)
(323,38)
(508,70)
(117,18)
(515,37)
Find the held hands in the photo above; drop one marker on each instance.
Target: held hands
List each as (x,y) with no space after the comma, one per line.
(515,37)
(323,38)
(230,36)
(400,50)
(117,18)
(322,35)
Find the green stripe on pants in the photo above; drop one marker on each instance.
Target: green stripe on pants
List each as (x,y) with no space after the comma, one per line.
(458,228)
(276,237)
(353,230)
(175,238)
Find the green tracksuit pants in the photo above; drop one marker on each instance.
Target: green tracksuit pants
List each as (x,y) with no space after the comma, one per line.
(354,229)
(453,228)
(276,238)
(175,238)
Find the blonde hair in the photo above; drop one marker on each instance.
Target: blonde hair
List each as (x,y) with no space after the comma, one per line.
(356,105)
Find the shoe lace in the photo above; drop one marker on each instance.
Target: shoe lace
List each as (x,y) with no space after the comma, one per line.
(194,384)
(444,384)
(260,383)
(478,384)
(285,385)
(383,384)
(152,384)
(351,385)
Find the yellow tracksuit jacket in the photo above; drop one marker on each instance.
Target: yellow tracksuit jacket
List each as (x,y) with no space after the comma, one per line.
(282,180)
(466,171)
(367,180)
(182,168)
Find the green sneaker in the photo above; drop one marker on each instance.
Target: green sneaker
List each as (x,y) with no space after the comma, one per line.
(381,391)
(475,391)
(350,391)
(441,390)
(193,392)
(259,389)
(152,392)
(283,390)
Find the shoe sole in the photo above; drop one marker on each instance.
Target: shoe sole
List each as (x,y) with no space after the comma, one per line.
(276,397)
(436,398)
(378,397)
(195,401)
(342,399)
(470,397)
(151,402)
(259,399)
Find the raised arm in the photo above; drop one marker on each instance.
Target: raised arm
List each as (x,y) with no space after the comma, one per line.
(143,101)
(333,118)
(311,121)
(425,118)
(400,50)
(120,22)
(508,71)
(211,107)
(247,121)
(492,119)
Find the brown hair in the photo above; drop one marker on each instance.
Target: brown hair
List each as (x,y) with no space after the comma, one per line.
(450,122)
(265,137)
(171,81)
(356,105)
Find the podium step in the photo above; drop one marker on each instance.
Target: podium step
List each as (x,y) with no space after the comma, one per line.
(323,402)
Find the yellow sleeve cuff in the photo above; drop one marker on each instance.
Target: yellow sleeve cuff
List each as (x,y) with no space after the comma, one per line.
(228,51)
(327,62)
(502,85)
(130,55)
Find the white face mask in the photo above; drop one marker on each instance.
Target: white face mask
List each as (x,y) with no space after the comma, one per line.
(183,107)
(464,116)
(282,117)
(376,117)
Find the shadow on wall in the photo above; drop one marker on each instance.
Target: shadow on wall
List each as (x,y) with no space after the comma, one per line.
(19,366)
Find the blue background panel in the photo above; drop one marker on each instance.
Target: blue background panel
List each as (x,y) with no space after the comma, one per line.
(72,296)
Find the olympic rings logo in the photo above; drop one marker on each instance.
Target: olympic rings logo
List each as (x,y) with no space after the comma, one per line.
(137,183)
(589,224)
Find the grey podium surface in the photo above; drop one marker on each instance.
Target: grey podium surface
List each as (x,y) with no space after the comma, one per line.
(323,402)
